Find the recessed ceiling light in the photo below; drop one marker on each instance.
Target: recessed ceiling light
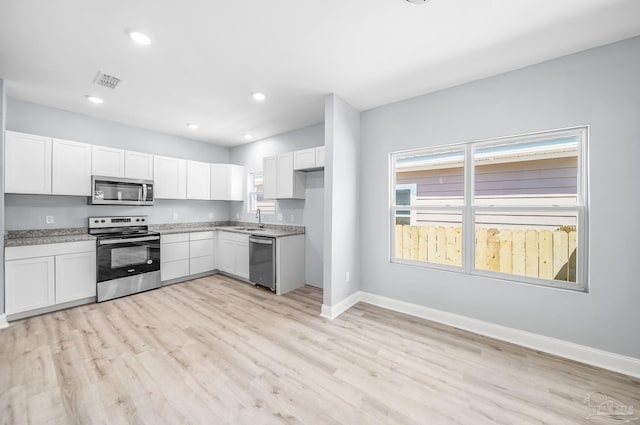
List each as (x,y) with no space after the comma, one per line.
(94,99)
(418,1)
(192,125)
(259,96)
(248,136)
(140,38)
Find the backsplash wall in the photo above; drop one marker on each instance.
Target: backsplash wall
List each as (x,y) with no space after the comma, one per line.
(25,212)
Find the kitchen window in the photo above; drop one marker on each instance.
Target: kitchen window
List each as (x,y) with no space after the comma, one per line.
(256,195)
(513,208)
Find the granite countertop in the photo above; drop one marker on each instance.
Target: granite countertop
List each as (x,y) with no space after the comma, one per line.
(46,236)
(270,230)
(78,234)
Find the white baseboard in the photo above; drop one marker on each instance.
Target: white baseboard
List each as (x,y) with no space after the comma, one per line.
(3,321)
(331,312)
(569,350)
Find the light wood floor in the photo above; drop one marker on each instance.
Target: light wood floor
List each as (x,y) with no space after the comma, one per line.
(216,351)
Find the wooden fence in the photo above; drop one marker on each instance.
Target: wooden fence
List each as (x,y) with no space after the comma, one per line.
(538,253)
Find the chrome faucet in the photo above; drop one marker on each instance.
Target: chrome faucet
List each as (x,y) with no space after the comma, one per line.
(259,217)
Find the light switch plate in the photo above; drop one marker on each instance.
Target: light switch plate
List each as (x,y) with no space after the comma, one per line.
(49,219)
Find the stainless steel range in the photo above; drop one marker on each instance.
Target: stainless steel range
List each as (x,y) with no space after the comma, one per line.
(128,256)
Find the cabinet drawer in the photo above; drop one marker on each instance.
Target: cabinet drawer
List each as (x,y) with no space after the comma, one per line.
(174,270)
(200,248)
(174,237)
(201,264)
(197,236)
(174,251)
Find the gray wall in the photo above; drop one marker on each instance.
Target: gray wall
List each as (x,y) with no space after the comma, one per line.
(598,87)
(308,212)
(29,211)
(342,201)
(2,125)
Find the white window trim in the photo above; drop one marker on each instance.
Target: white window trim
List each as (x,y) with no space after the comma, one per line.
(250,193)
(469,210)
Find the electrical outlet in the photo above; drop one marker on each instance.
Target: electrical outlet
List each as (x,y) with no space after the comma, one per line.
(348,277)
(210,215)
(174,216)
(49,219)
(292,218)
(237,215)
(279,216)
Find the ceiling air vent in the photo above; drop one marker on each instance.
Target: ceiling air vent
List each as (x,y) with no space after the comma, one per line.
(106,80)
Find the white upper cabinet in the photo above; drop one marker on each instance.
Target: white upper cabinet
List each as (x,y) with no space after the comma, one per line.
(170,178)
(71,168)
(270,175)
(27,163)
(290,183)
(198,180)
(107,161)
(138,165)
(309,159)
(236,182)
(227,182)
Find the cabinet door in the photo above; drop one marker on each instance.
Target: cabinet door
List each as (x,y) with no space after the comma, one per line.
(201,264)
(138,165)
(304,159)
(225,255)
(107,161)
(71,168)
(198,180)
(170,178)
(30,284)
(320,157)
(75,276)
(219,182)
(270,175)
(285,175)
(242,260)
(201,248)
(174,269)
(237,185)
(174,252)
(27,163)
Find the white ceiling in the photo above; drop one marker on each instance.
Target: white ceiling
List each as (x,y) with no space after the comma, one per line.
(208,56)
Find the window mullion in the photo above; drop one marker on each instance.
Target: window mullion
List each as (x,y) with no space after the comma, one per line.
(468,246)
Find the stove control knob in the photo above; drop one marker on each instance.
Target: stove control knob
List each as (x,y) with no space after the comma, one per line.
(142,219)
(101,221)
(96,221)
(137,219)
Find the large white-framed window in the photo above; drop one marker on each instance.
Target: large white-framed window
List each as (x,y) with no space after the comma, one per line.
(513,208)
(255,186)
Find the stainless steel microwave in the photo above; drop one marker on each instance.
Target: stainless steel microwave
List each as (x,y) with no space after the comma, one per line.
(120,191)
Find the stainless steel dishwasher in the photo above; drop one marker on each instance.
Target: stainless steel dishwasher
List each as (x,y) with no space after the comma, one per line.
(262,261)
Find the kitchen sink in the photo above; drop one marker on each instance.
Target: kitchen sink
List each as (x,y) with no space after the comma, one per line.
(249,229)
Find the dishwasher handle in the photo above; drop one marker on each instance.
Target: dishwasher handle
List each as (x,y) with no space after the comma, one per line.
(263,241)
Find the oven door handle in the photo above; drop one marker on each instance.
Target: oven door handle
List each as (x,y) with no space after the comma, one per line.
(124,240)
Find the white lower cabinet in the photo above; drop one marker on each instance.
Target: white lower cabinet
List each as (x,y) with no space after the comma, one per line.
(202,247)
(187,254)
(174,256)
(233,254)
(30,284)
(39,276)
(75,276)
